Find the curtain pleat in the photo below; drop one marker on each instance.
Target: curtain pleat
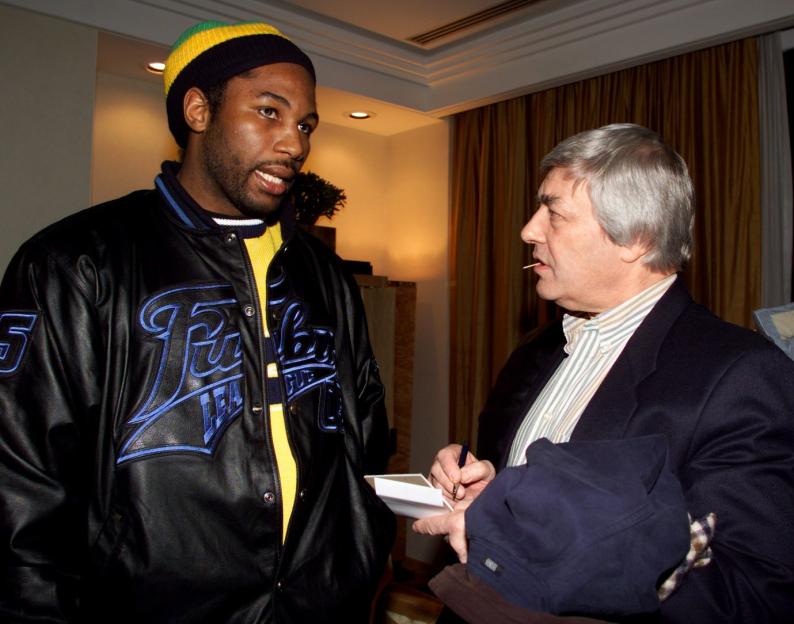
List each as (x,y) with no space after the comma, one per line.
(777,194)
(704,104)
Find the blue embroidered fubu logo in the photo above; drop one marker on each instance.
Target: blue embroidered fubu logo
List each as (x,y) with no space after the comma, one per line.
(306,357)
(308,361)
(197,387)
(15,331)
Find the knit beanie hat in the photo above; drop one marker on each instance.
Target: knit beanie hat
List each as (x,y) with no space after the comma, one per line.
(211,52)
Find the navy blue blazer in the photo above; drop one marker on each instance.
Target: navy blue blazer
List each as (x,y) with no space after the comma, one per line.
(724,398)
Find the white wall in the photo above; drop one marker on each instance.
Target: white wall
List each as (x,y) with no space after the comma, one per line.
(417,248)
(358,163)
(46,106)
(415,240)
(130,136)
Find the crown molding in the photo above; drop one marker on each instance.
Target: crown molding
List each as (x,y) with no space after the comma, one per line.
(567,41)
(604,40)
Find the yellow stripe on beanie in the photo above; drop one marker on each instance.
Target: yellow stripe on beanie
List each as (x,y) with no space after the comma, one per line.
(202,37)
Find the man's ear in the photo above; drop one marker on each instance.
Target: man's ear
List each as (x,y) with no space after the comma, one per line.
(634,251)
(196,109)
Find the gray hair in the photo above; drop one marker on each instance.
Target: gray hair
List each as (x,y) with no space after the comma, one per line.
(639,187)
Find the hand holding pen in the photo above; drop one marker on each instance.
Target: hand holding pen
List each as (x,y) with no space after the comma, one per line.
(459,473)
(464,451)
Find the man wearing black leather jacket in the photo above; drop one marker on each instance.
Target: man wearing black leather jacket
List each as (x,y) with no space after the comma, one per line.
(188,398)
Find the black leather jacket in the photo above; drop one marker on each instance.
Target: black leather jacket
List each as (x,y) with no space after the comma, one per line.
(138,474)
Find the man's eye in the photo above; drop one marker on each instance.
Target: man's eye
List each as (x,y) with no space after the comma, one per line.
(306,128)
(269,112)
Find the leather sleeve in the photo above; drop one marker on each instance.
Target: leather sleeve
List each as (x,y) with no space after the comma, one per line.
(369,388)
(46,353)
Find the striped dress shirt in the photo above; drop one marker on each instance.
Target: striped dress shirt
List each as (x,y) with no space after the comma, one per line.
(592,345)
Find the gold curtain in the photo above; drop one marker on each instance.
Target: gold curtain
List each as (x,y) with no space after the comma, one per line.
(704,104)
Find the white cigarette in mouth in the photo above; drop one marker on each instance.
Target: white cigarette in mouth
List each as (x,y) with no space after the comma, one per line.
(529,266)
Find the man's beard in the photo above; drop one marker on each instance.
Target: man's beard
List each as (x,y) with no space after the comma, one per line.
(231,176)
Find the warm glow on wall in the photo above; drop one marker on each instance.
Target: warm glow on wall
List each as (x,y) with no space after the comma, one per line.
(396,216)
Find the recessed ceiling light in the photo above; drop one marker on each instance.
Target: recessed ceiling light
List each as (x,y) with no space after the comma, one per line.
(155,67)
(360,114)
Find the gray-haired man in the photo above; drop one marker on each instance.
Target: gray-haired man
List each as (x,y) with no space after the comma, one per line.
(635,356)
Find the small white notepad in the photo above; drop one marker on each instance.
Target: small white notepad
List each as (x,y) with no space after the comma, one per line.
(409,495)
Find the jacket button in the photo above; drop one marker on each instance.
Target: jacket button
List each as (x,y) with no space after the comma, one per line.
(230,237)
(279,585)
(249,310)
(293,408)
(256,408)
(269,497)
(303,494)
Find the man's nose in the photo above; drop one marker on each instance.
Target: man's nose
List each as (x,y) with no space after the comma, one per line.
(292,145)
(532,232)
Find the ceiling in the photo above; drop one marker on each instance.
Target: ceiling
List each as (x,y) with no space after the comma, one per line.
(446,20)
(443,20)
(482,51)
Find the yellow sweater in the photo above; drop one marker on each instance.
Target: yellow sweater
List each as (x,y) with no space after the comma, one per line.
(261,251)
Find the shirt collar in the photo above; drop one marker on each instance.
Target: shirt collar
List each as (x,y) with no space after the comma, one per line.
(616,325)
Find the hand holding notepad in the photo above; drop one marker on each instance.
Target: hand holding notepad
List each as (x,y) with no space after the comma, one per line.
(409,495)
